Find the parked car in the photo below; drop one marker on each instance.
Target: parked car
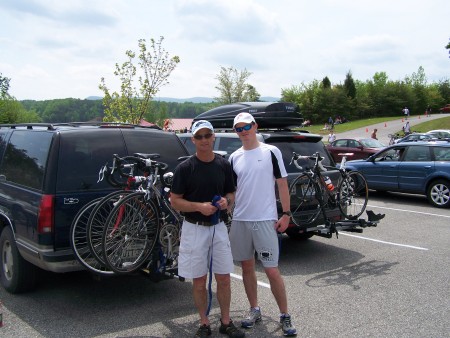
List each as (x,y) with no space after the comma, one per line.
(47,173)
(354,148)
(440,134)
(445,109)
(414,137)
(411,167)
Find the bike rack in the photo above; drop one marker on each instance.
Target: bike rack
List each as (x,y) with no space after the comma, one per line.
(330,227)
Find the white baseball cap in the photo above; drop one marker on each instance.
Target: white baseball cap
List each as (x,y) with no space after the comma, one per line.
(200,125)
(243,118)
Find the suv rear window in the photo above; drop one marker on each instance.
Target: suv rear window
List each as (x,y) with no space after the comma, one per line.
(26,158)
(82,154)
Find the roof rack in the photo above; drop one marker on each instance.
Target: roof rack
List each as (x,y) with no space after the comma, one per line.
(52,126)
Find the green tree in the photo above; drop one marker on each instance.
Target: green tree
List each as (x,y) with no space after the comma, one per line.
(131,104)
(11,111)
(326,83)
(349,85)
(233,86)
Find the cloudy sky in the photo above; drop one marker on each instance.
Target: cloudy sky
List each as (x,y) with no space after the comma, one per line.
(57,49)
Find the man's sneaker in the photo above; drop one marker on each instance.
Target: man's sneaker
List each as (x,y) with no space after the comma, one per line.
(203,331)
(231,330)
(289,330)
(253,316)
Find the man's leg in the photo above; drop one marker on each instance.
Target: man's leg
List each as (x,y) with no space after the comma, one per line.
(277,288)
(200,298)
(250,281)
(224,296)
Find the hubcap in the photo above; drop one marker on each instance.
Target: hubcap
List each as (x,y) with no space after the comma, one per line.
(440,194)
(7,260)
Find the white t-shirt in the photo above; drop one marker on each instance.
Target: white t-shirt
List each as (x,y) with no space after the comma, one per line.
(256,171)
(331,138)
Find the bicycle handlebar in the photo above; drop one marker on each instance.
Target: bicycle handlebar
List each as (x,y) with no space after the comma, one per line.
(144,162)
(315,157)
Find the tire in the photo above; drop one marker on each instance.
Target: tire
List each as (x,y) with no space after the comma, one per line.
(130,234)
(438,193)
(353,195)
(305,206)
(294,234)
(17,274)
(79,241)
(97,220)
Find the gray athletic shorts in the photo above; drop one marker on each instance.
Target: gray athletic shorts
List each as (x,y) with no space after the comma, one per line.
(195,250)
(248,237)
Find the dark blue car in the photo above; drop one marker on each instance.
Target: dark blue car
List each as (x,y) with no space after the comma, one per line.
(412,167)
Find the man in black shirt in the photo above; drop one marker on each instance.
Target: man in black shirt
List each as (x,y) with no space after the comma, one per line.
(202,190)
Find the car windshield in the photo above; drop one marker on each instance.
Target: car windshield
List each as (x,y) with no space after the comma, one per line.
(372,143)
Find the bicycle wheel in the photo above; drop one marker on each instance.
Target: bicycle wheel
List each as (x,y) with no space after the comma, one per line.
(79,243)
(130,233)
(305,206)
(97,221)
(353,195)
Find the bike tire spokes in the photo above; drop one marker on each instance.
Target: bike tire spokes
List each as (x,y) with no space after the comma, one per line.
(305,206)
(79,241)
(353,195)
(130,234)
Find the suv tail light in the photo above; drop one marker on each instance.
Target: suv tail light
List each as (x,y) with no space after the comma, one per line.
(46,212)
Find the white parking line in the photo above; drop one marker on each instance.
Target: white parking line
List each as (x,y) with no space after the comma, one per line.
(411,211)
(259,283)
(384,242)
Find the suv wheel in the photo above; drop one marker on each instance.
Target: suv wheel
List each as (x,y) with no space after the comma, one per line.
(439,193)
(299,236)
(16,274)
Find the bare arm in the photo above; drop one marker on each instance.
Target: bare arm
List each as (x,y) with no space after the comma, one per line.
(283,192)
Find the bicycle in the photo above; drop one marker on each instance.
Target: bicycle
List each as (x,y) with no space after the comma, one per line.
(311,193)
(87,227)
(139,221)
(393,138)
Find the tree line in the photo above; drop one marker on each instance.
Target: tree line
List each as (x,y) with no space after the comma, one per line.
(376,97)
(318,100)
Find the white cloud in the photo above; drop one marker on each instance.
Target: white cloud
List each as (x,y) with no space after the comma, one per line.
(56,49)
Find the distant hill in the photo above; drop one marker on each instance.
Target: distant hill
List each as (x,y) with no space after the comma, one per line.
(197,99)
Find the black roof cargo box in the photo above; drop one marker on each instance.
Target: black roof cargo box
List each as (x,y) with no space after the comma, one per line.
(266,114)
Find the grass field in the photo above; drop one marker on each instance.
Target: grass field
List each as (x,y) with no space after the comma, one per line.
(443,123)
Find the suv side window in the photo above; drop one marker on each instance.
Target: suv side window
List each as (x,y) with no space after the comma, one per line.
(25,158)
(418,153)
(2,142)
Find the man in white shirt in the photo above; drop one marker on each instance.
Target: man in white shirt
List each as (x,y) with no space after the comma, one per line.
(257,166)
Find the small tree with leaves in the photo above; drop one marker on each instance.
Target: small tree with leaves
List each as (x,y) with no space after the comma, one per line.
(131,104)
(233,86)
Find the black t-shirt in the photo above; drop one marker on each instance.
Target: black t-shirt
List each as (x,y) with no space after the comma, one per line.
(200,181)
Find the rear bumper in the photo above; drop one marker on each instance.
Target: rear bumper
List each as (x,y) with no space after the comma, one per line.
(48,259)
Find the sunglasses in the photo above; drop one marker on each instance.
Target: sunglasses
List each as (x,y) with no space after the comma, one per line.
(201,137)
(247,127)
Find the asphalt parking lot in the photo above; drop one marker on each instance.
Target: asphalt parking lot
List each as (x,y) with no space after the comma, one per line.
(390,281)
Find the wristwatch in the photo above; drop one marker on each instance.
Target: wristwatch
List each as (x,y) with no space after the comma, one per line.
(289,213)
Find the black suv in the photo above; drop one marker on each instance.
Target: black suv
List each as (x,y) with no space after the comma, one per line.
(47,173)
(287,141)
